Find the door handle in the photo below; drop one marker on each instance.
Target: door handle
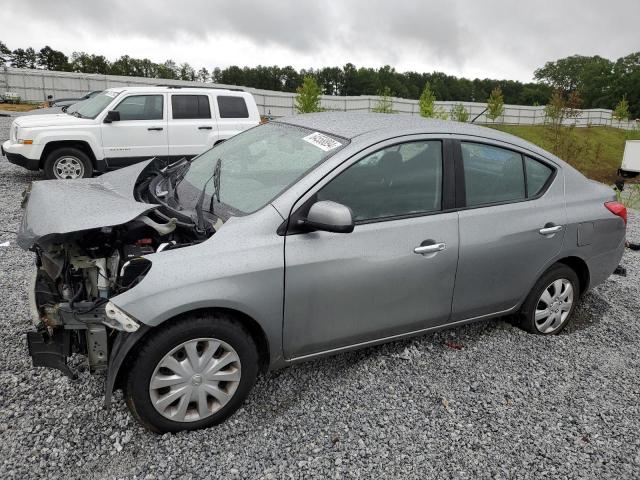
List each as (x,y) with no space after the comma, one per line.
(155,128)
(550,229)
(433,248)
(205,128)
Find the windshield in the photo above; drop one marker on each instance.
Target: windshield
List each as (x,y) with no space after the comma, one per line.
(255,167)
(91,107)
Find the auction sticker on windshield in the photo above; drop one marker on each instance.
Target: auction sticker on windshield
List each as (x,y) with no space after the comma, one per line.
(111,94)
(322,141)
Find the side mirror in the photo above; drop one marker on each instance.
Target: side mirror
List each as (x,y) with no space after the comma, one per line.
(112,116)
(329,216)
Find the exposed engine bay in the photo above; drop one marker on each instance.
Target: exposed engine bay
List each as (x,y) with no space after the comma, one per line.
(78,272)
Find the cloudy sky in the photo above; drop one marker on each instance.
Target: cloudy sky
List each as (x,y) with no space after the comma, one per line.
(472,38)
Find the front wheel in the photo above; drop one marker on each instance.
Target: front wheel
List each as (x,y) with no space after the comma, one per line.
(67,164)
(192,374)
(550,304)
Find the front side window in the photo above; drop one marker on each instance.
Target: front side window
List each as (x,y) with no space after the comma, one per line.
(190,106)
(141,107)
(400,180)
(492,174)
(232,107)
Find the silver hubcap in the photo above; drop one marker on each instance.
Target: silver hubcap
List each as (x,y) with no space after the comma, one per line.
(554,306)
(68,168)
(195,380)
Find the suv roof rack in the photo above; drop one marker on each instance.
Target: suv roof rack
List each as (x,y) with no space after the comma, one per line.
(189,86)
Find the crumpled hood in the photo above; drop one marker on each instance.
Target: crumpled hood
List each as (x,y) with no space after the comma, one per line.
(65,206)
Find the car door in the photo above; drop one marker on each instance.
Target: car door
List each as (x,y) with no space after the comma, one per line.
(395,272)
(192,130)
(141,132)
(511,226)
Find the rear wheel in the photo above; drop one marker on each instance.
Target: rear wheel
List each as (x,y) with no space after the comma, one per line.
(192,374)
(550,304)
(67,164)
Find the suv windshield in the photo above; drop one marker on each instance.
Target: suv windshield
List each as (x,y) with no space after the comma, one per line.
(91,107)
(255,167)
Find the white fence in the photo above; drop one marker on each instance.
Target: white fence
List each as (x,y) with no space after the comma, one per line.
(36,85)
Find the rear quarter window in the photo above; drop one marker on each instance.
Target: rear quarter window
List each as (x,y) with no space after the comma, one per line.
(538,175)
(232,107)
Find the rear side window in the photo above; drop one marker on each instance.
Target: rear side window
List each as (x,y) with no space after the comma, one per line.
(396,181)
(141,107)
(537,176)
(232,107)
(190,106)
(492,174)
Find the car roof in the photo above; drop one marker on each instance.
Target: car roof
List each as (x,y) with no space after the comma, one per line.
(175,89)
(381,126)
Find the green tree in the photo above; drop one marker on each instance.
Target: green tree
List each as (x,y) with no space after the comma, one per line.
(51,59)
(203,75)
(495,104)
(187,72)
(308,96)
(385,102)
(4,53)
(459,113)
(621,112)
(19,58)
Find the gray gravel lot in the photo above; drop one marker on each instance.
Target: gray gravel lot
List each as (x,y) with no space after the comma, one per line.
(505,405)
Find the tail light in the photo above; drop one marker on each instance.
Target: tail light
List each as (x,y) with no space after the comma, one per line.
(617,209)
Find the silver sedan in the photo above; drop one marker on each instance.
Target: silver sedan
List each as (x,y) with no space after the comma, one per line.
(305,237)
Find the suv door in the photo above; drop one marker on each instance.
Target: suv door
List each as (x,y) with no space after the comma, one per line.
(192,130)
(141,132)
(372,283)
(510,200)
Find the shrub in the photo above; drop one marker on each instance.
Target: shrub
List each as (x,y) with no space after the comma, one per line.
(621,112)
(385,103)
(495,104)
(308,96)
(459,113)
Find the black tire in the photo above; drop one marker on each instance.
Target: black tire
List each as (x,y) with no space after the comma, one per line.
(159,343)
(67,152)
(525,319)
(627,174)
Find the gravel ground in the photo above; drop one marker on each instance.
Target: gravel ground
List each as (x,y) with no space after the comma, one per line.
(480,401)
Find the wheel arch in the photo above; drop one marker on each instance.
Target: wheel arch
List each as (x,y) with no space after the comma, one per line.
(581,268)
(79,144)
(123,349)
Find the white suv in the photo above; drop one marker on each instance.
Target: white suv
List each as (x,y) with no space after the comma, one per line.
(122,126)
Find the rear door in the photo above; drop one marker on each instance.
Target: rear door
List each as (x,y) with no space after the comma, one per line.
(512,222)
(192,128)
(393,274)
(141,132)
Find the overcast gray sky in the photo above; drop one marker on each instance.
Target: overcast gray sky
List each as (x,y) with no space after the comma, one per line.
(471,38)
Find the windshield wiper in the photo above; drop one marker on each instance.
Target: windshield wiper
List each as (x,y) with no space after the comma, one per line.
(216,185)
(200,225)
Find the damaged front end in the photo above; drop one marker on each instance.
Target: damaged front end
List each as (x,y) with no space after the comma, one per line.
(88,256)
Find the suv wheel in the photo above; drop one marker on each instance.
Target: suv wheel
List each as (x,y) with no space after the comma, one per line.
(192,374)
(550,304)
(67,164)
